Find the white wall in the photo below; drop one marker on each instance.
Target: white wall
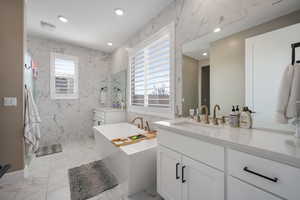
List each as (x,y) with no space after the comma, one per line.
(189,84)
(227,73)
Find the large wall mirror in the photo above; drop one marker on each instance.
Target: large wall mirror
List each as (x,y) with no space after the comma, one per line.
(239,68)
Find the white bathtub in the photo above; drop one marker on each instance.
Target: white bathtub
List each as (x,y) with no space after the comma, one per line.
(133,165)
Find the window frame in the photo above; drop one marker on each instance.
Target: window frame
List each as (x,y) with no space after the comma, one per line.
(53,93)
(155,111)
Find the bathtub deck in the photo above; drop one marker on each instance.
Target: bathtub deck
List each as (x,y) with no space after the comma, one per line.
(134,165)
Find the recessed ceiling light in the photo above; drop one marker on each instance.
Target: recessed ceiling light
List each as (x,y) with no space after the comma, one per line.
(62,19)
(109,44)
(204,54)
(216,30)
(119,12)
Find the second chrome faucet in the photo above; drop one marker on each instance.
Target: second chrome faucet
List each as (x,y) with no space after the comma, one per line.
(206,115)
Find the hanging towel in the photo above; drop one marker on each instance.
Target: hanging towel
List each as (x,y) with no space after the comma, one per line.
(32,122)
(291,111)
(103,96)
(288,94)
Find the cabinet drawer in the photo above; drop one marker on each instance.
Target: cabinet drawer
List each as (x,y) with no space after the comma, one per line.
(204,152)
(239,190)
(274,177)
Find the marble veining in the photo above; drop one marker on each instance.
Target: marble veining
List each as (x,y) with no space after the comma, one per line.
(64,120)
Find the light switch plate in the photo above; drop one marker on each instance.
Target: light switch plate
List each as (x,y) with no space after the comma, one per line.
(10,101)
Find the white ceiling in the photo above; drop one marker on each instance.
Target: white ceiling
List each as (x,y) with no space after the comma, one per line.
(92,23)
(258,15)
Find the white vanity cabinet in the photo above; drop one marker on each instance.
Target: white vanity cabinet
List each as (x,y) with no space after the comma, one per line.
(180,177)
(168,174)
(201,169)
(201,181)
(276,178)
(240,190)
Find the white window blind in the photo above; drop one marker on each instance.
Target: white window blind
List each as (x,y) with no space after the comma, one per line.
(64,79)
(150,70)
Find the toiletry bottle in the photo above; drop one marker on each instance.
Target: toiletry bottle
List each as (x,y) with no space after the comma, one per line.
(198,115)
(233,118)
(237,110)
(192,113)
(238,113)
(245,118)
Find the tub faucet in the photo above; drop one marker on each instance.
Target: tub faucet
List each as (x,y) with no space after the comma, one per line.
(141,125)
(147,128)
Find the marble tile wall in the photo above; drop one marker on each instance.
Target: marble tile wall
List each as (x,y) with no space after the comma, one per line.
(65,120)
(194,19)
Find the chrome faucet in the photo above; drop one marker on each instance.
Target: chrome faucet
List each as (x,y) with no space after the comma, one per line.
(147,128)
(215,119)
(141,125)
(206,119)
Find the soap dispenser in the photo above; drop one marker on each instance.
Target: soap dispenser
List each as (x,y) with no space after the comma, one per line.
(234,118)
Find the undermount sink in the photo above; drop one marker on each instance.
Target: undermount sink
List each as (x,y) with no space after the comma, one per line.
(193,124)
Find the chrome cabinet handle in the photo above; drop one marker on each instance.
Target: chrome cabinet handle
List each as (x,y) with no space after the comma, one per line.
(182,175)
(275,180)
(177,176)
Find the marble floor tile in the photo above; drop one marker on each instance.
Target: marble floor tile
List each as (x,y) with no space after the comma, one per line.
(8,195)
(58,179)
(33,189)
(47,177)
(59,194)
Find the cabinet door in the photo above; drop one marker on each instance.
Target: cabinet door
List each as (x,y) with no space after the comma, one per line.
(168,174)
(240,190)
(201,182)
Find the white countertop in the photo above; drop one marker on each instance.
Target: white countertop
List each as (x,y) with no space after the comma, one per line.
(281,147)
(123,130)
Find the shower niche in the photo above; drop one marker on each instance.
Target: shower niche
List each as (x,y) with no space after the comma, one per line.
(118,89)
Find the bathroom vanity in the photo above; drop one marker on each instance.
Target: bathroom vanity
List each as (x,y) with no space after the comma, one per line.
(196,161)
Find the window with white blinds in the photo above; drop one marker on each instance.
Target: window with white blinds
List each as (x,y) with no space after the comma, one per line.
(64,77)
(150,73)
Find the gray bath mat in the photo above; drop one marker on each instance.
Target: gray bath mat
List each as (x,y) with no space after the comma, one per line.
(48,150)
(90,180)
